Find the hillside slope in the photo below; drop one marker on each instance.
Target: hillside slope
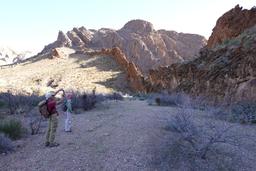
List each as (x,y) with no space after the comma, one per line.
(68,71)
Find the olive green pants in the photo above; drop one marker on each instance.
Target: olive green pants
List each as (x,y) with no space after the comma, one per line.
(52,127)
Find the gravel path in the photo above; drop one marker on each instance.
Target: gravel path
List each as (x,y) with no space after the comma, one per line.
(114,136)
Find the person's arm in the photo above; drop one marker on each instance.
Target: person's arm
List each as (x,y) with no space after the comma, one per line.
(59,91)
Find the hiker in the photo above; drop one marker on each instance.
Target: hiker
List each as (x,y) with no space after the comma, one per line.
(68,110)
(53,118)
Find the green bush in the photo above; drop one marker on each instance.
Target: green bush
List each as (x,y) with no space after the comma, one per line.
(12,128)
(2,104)
(5,144)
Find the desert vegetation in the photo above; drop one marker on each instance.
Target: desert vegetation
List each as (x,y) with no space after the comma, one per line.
(239,112)
(87,100)
(6,144)
(12,128)
(202,145)
(203,137)
(18,102)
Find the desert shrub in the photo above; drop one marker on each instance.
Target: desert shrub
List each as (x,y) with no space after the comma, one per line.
(12,128)
(228,42)
(204,146)
(88,101)
(35,125)
(84,100)
(114,96)
(141,96)
(166,99)
(200,103)
(240,112)
(19,102)
(219,113)
(5,144)
(2,103)
(243,112)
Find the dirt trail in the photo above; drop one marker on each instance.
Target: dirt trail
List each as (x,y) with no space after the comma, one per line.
(115,136)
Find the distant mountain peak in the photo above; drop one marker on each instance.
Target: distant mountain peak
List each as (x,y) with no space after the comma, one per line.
(9,56)
(138,26)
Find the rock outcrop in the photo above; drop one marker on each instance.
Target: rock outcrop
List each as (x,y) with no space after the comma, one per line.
(62,41)
(231,24)
(134,76)
(226,73)
(142,45)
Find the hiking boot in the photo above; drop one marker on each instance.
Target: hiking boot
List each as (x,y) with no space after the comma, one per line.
(47,144)
(54,144)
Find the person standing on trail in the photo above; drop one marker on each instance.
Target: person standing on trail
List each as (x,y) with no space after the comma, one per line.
(68,110)
(51,103)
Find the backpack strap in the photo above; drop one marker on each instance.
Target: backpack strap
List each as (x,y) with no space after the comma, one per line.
(47,107)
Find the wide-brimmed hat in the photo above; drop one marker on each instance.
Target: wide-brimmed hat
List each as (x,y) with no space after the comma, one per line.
(69,95)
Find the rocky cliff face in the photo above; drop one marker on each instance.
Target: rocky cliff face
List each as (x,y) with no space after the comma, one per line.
(231,24)
(144,46)
(225,73)
(134,76)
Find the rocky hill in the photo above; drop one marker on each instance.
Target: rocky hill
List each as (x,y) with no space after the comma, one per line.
(140,42)
(226,72)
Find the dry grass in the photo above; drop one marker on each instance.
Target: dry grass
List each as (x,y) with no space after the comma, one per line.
(77,72)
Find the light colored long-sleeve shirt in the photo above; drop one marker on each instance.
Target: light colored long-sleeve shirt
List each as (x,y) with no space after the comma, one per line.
(69,105)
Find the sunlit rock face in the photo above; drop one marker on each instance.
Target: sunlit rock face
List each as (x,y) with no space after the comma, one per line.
(146,47)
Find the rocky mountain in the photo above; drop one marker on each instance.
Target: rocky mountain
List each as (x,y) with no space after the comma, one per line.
(9,56)
(140,42)
(225,73)
(231,24)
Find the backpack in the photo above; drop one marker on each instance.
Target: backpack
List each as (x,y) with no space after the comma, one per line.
(43,109)
(65,107)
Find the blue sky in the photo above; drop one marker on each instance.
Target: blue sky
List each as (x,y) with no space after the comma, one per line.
(31,24)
